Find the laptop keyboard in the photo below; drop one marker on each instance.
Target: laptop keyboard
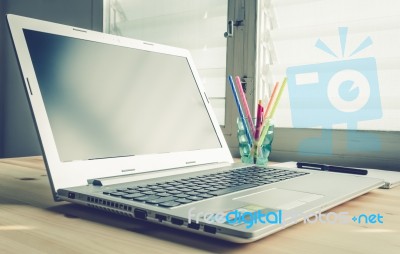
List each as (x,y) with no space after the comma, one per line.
(191,189)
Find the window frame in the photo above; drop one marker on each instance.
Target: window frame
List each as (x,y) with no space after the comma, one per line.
(241,52)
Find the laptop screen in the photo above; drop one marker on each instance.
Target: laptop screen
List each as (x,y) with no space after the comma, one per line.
(105,101)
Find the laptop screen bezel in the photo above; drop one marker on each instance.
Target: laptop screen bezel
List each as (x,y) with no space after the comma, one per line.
(76,173)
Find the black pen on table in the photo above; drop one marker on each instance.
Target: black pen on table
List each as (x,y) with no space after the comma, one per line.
(331,168)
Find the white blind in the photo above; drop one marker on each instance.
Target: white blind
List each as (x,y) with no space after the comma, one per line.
(197,25)
(301,33)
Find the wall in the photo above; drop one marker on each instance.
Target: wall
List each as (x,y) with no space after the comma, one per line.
(18,135)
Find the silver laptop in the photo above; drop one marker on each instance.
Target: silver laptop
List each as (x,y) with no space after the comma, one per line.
(126,126)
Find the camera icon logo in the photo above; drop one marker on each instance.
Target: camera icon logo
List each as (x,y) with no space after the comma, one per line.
(338,92)
(344,91)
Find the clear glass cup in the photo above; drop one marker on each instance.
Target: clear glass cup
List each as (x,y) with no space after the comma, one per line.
(255,153)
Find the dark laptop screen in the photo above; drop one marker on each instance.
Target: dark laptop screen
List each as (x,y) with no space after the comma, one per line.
(109,101)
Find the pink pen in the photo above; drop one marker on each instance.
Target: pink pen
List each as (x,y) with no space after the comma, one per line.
(259,120)
(245,105)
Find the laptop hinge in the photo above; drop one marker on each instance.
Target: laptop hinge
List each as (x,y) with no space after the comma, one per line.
(154,174)
(95,182)
(108,180)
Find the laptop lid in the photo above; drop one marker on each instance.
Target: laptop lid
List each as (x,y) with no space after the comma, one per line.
(108,106)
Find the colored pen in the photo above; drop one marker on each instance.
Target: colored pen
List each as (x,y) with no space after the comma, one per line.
(245,105)
(235,96)
(259,120)
(271,99)
(267,117)
(331,168)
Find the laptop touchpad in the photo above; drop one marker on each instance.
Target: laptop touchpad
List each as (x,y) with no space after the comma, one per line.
(279,198)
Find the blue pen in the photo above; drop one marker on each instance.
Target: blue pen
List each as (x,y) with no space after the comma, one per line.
(235,95)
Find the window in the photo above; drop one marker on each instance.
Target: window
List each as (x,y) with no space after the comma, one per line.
(196,25)
(342,60)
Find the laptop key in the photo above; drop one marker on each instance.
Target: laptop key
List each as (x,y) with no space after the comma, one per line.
(117,194)
(174,192)
(222,186)
(161,200)
(164,185)
(179,181)
(195,198)
(181,195)
(133,195)
(170,188)
(256,182)
(180,186)
(231,185)
(149,192)
(233,189)
(274,180)
(205,195)
(184,200)
(214,184)
(146,197)
(169,204)
(190,184)
(154,187)
(164,194)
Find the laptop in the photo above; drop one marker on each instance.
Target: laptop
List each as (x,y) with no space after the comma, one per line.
(126,127)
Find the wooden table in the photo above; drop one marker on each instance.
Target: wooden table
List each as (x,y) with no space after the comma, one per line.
(31,222)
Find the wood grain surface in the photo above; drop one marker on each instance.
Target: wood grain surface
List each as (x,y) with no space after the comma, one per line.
(31,222)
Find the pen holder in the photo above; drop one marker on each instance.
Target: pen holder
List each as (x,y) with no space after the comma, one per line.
(254,153)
